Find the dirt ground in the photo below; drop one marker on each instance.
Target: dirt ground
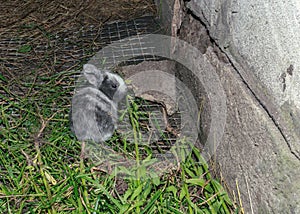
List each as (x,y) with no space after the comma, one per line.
(64,15)
(30,30)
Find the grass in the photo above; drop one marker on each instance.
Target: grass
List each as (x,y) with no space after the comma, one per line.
(42,170)
(41,166)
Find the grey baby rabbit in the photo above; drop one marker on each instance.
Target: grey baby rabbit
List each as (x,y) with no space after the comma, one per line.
(94,112)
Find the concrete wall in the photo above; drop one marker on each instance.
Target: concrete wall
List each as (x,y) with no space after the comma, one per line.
(254,46)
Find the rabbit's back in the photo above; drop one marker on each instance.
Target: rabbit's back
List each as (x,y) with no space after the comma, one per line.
(93,115)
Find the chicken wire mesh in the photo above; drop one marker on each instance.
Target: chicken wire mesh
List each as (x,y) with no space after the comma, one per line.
(65,52)
(66,49)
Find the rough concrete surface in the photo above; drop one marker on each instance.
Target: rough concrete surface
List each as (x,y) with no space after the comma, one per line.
(253,152)
(165,13)
(261,38)
(254,48)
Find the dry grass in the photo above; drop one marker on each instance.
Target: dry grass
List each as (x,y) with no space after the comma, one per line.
(37,37)
(66,15)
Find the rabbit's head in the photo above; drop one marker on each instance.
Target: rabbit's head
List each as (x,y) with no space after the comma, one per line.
(93,75)
(113,86)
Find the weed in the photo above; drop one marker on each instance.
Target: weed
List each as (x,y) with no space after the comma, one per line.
(42,170)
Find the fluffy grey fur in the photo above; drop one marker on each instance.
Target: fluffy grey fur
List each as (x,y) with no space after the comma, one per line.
(94,112)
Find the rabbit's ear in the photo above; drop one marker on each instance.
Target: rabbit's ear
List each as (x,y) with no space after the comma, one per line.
(92,74)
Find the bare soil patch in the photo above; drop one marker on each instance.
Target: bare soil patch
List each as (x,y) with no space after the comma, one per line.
(38,38)
(64,15)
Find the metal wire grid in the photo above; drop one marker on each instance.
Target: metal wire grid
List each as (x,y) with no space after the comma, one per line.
(156,128)
(71,48)
(158,135)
